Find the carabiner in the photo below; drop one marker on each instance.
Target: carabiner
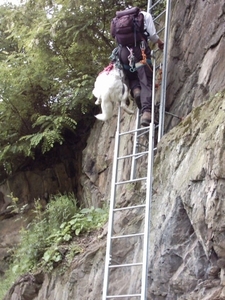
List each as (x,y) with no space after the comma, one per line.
(142,45)
(132,69)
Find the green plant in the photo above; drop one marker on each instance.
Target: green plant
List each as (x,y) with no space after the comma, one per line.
(14,205)
(85,220)
(7,282)
(51,237)
(50,132)
(35,238)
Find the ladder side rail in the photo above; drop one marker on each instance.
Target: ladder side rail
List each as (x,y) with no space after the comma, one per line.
(149,5)
(111,209)
(149,180)
(164,73)
(135,147)
(153,89)
(148,215)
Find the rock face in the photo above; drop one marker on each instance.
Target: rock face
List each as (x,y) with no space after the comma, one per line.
(188,220)
(196,59)
(187,248)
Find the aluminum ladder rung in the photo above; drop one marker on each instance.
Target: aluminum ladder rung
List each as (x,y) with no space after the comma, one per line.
(130,181)
(127,236)
(158,32)
(123,296)
(136,158)
(125,265)
(156,3)
(131,155)
(129,207)
(134,130)
(141,145)
(171,114)
(158,67)
(143,133)
(163,12)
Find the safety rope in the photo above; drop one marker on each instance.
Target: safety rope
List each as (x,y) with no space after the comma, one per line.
(144,59)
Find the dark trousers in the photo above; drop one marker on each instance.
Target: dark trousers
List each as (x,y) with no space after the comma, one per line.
(141,77)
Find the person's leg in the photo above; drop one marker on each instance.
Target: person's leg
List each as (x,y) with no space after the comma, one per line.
(130,75)
(145,80)
(144,72)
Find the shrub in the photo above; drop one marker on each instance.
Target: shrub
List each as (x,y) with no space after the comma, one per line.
(41,241)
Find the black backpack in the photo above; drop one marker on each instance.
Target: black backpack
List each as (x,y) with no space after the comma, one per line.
(128,27)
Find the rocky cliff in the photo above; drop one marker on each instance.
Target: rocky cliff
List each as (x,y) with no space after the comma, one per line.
(187,249)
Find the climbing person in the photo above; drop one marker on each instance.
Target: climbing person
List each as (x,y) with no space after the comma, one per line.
(132,29)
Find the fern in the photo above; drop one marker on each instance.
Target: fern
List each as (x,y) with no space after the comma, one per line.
(55,123)
(51,132)
(50,138)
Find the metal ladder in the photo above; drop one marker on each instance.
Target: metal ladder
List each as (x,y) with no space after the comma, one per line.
(143,150)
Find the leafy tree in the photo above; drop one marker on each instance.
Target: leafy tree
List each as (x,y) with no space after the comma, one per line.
(50,53)
(49,56)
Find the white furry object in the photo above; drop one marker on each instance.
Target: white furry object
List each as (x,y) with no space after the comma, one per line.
(110,89)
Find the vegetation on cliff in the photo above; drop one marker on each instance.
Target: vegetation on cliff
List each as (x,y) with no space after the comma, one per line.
(52,239)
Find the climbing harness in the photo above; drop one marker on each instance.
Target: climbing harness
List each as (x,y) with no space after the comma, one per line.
(131,58)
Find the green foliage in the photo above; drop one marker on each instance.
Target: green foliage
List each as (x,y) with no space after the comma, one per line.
(50,129)
(158,8)
(6,283)
(14,205)
(49,57)
(52,236)
(35,239)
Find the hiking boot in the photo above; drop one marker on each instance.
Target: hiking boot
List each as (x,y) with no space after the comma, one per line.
(137,97)
(146,119)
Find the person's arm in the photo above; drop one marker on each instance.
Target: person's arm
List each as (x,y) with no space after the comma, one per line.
(160,44)
(150,28)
